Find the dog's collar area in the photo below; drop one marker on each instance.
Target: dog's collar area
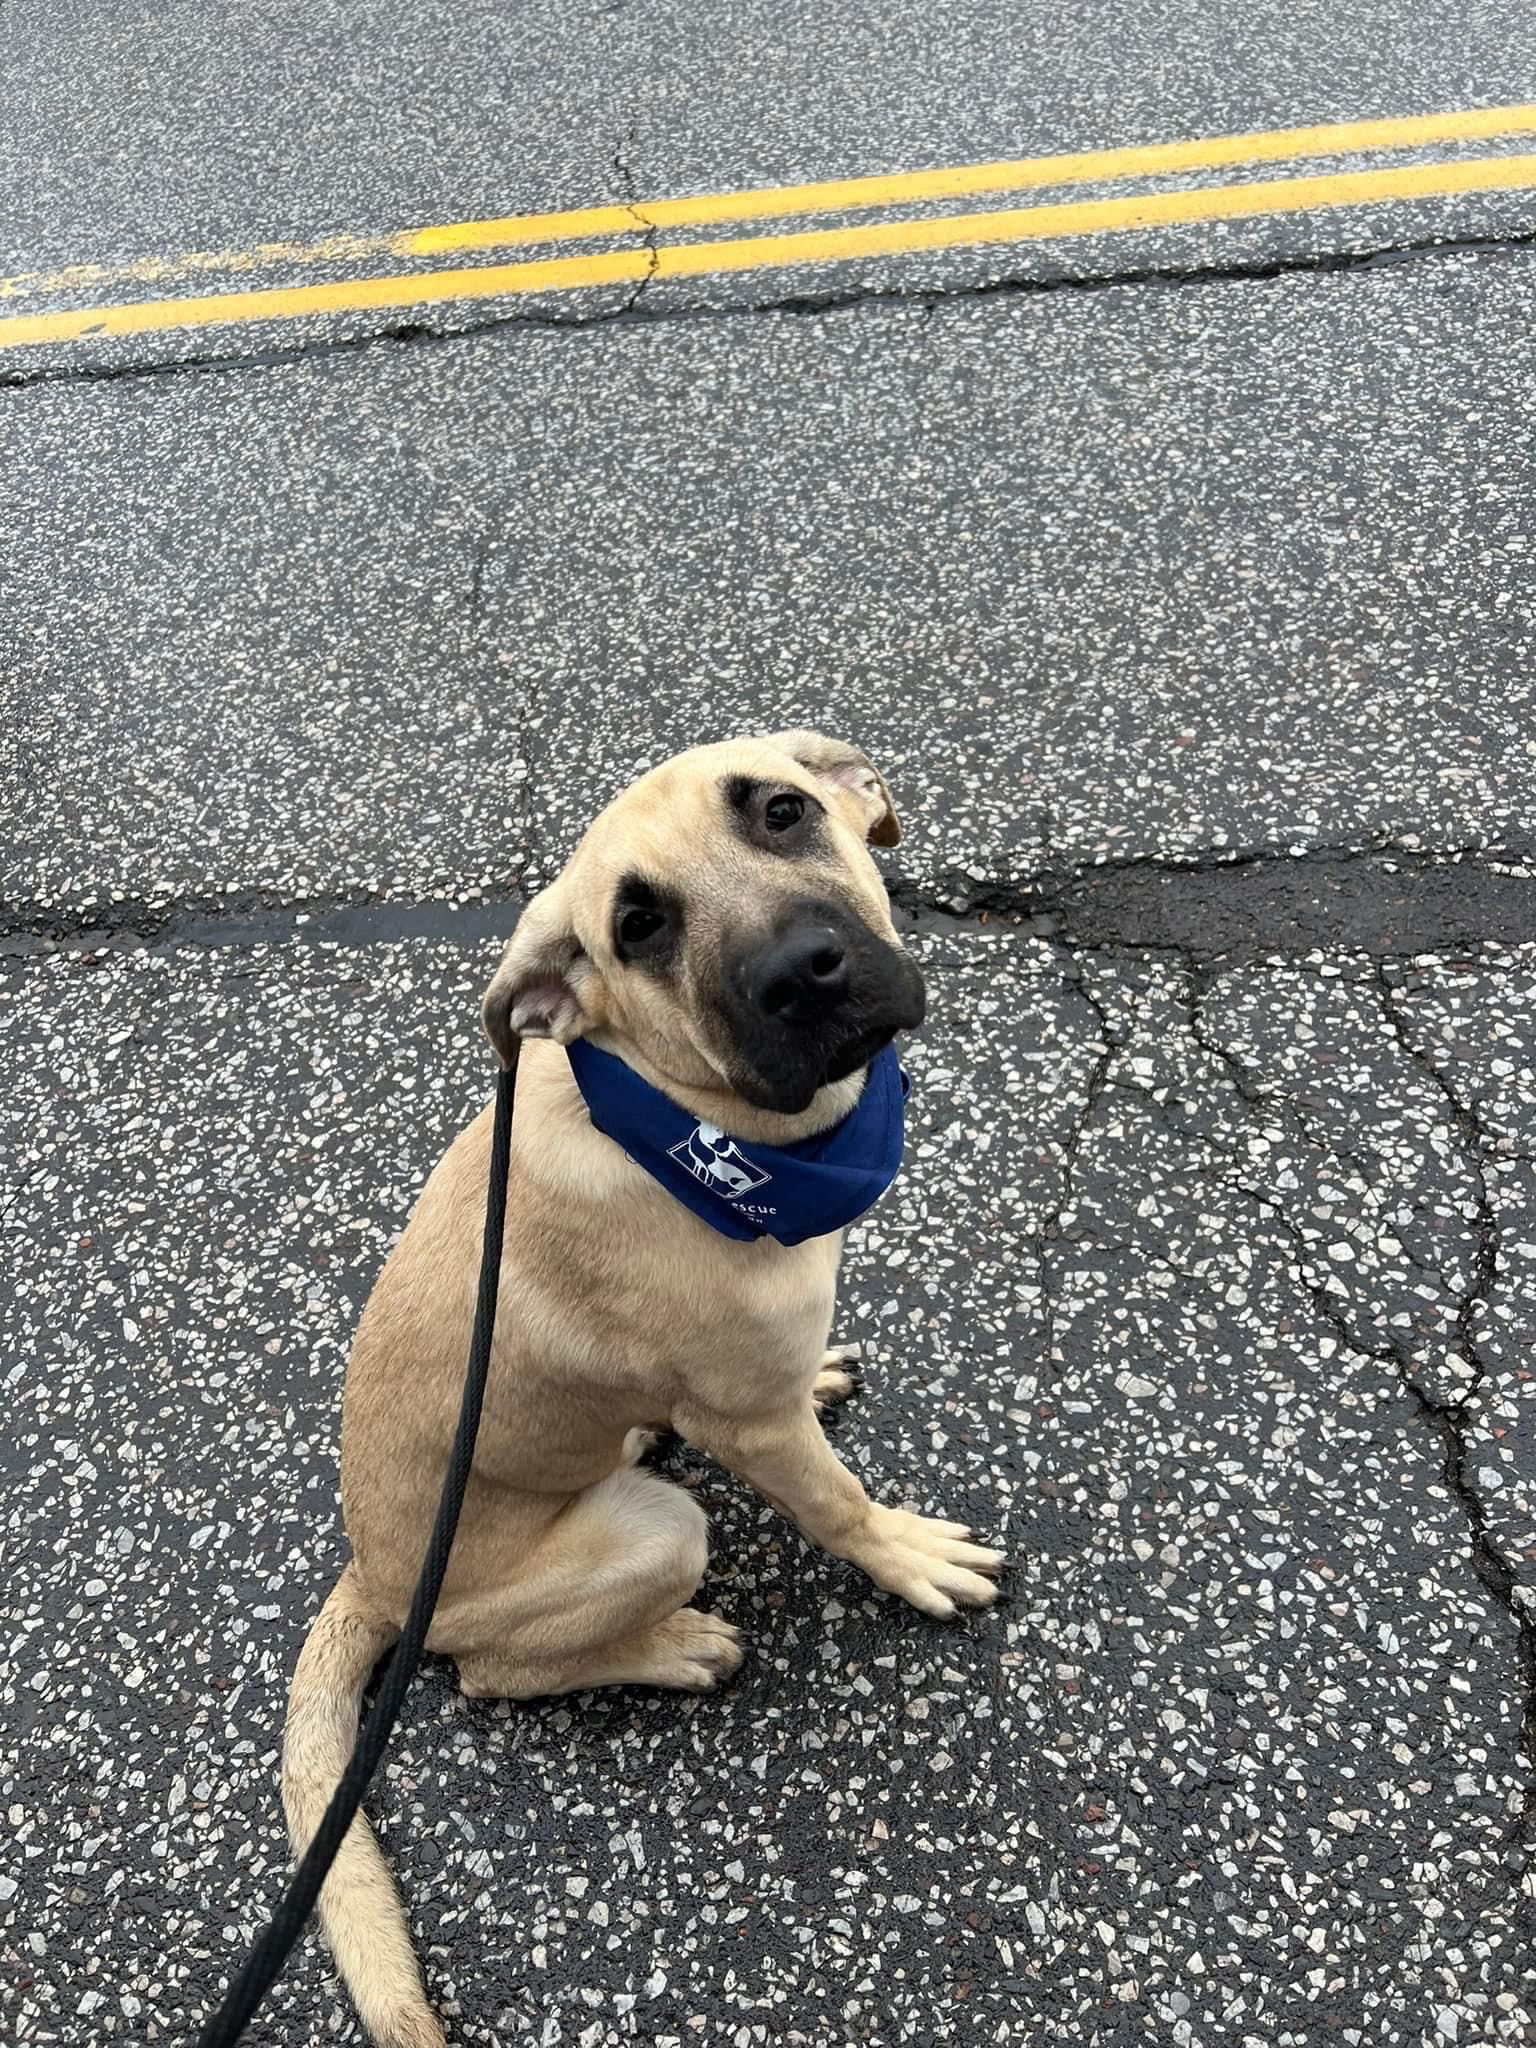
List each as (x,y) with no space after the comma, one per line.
(737,1186)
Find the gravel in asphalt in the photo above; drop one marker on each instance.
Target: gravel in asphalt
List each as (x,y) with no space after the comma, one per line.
(126,135)
(1238,1761)
(1146,573)
(1194,625)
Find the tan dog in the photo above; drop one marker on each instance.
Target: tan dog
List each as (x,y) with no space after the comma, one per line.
(723,930)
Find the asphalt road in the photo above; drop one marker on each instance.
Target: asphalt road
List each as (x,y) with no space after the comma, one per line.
(1192,619)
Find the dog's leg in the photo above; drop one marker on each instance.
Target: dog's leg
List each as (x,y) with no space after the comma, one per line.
(601,1601)
(933,1565)
(689,1651)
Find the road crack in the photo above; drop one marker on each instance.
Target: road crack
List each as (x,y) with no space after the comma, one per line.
(479,554)
(1140,906)
(805,305)
(256,919)
(632,206)
(1050,1236)
(1380,899)
(1477,1147)
(1447,1418)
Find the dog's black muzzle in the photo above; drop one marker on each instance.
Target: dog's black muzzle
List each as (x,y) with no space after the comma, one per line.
(816,998)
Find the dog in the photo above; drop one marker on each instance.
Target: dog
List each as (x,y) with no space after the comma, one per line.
(723,931)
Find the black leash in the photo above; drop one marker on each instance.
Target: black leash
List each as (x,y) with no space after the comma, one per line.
(276,1943)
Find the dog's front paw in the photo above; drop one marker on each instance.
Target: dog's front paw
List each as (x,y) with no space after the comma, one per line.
(934,1566)
(837,1379)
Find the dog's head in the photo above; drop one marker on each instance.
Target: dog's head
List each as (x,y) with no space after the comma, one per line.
(722,928)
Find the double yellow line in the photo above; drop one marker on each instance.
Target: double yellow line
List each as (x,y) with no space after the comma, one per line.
(661,261)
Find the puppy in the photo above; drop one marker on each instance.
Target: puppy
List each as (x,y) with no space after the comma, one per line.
(722,931)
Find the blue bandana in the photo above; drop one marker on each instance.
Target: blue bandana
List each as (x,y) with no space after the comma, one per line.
(740,1188)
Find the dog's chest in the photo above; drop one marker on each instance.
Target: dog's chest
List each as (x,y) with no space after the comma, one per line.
(732,1314)
(758,1299)
(630,1274)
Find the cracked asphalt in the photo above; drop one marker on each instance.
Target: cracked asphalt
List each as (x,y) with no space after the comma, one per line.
(1192,618)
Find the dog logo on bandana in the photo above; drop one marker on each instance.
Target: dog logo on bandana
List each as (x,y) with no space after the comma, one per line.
(716,1160)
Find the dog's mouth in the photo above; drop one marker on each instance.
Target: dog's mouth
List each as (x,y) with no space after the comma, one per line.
(812,1004)
(857,1052)
(790,1084)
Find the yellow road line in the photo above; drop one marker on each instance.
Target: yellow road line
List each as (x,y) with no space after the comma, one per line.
(967,181)
(837,195)
(761,252)
(84,277)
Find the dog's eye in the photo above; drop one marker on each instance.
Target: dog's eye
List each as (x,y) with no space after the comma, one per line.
(636,926)
(780,812)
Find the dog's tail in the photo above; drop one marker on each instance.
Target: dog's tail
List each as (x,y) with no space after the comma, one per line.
(360,1909)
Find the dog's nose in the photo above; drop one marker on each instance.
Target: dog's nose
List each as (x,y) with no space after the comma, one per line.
(800,977)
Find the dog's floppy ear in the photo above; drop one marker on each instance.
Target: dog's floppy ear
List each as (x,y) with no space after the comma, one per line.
(534,993)
(843,767)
